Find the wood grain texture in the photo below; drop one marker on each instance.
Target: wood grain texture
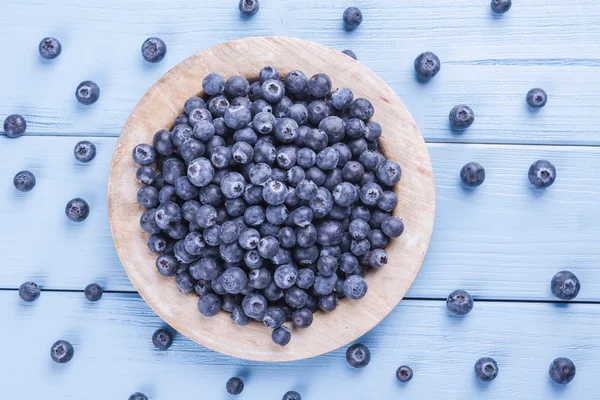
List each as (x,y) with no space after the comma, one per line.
(401,141)
(114,355)
(489,62)
(503,240)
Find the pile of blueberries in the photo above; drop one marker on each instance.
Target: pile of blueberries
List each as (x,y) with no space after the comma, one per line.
(270,199)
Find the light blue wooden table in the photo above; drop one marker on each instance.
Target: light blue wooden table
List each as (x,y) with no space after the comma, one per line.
(502,242)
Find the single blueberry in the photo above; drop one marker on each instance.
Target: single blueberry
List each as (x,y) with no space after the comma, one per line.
(247,8)
(148,222)
(461,117)
(355,287)
(565,285)
(361,108)
(388,201)
(138,396)
(285,276)
(500,6)
(192,103)
(317,111)
(29,291)
(93,292)
(24,181)
(185,282)
(306,255)
(84,151)
(50,48)
(358,355)
(542,173)
(237,86)
(267,73)
(246,135)
(274,317)
(352,18)
(162,339)
(341,98)
(370,194)
(233,280)
(217,106)
(296,82)
(291,395)
(472,174)
(536,98)
(359,229)
(319,85)
(198,115)
(281,335)
(255,305)
(209,305)
(562,370)
(180,134)
(87,92)
(273,91)
(77,210)
(388,172)
(327,265)
(378,258)
(62,351)
(324,285)
(350,53)
(295,175)
(143,154)
(281,108)
(275,192)
(373,131)
(404,373)
(154,49)
(486,369)
(14,126)
(146,175)
(239,316)
(298,113)
(459,302)
(427,65)
(242,152)
(306,236)
(302,318)
(213,84)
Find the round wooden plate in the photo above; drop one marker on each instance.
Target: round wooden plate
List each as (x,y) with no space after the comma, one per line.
(401,141)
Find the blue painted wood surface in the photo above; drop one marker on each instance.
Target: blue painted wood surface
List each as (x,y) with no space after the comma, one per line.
(503,241)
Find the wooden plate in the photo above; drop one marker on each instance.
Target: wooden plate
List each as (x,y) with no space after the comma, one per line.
(401,141)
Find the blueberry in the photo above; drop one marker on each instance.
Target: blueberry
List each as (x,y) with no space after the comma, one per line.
(321,204)
(14,126)
(306,236)
(359,229)
(298,113)
(145,175)
(306,158)
(159,183)
(221,157)
(239,316)
(267,73)
(459,302)
(93,292)
(249,239)
(181,254)
(305,278)
(327,265)
(157,243)
(274,317)
(355,287)
(242,152)
(355,128)
(388,172)
(306,255)
(213,84)
(565,285)
(206,216)
(302,216)
(281,108)
(247,8)
(154,49)
(185,189)
(259,106)
(295,297)
(233,185)
(317,111)
(273,91)
(200,114)
(378,258)
(255,91)
(353,171)
(486,369)
(360,247)
(217,106)
(404,373)
(209,305)
(237,86)
(370,194)
(500,6)
(233,280)
(178,230)
(388,201)
(268,247)
(291,395)
(24,181)
(361,212)
(286,130)
(29,291)
(324,285)
(287,237)
(138,396)
(348,263)
(377,218)
(542,173)
(77,210)
(192,103)
(350,53)
(246,135)
(291,200)
(254,215)
(190,210)
(536,98)
(211,235)
(285,276)
(286,159)
(204,130)
(143,154)
(260,278)
(327,158)
(148,222)
(373,131)
(328,302)
(306,190)
(281,335)
(220,126)
(235,207)
(562,370)
(294,176)
(181,133)
(194,243)
(357,147)
(265,152)
(472,174)
(345,194)
(319,85)
(231,301)
(50,48)
(84,151)
(302,318)
(277,215)
(275,192)
(427,65)
(87,92)
(461,117)
(358,355)
(255,305)
(361,108)
(206,268)
(62,351)
(162,339)
(369,160)
(167,264)
(352,18)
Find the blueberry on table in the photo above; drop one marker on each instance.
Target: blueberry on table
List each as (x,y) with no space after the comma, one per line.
(352,18)
(302,318)
(87,92)
(459,302)
(93,292)
(427,65)
(486,369)
(162,339)
(461,117)
(50,48)
(84,151)
(500,6)
(291,395)
(14,126)
(281,335)
(24,181)
(77,210)
(62,351)
(154,50)
(355,287)
(350,53)
(565,285)
(29,291)
(319,85)
(392,227)
(358,355)
(404,373)
(542,173)
(295,82)
(234,385)
(249,7)
(138,396)
(213,84)
(562,370)
(536,98)
(472,174)
(210,304)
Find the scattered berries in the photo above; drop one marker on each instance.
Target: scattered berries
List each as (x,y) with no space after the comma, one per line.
(358,355)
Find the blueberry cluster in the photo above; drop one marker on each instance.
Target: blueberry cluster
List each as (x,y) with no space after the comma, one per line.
(270,199)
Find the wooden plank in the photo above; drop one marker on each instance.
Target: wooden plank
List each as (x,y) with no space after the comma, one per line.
(112,340)
(502,240)
(489,62)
